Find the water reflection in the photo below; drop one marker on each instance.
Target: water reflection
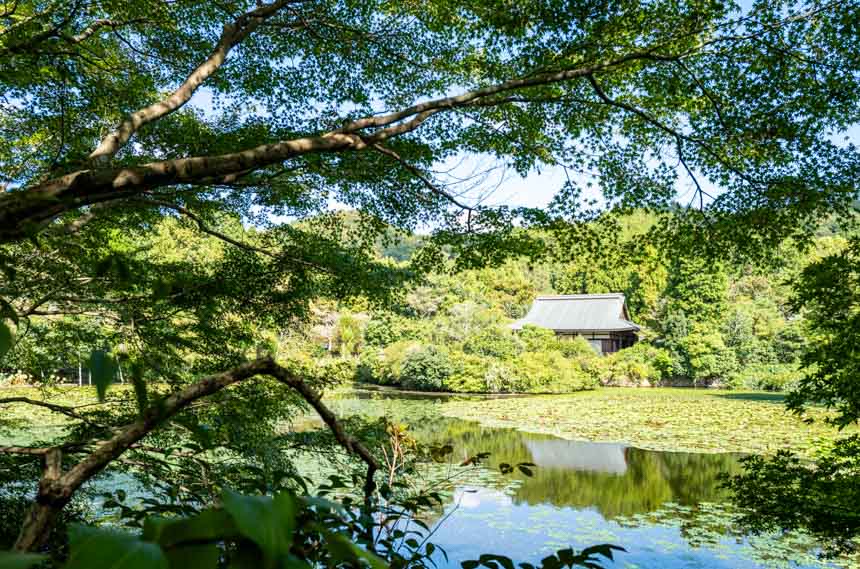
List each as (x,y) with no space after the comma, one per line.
(664,507)
(614,479)
(610,458)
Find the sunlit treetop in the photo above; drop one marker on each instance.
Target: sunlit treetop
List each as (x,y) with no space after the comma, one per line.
(357,100)
(116,114)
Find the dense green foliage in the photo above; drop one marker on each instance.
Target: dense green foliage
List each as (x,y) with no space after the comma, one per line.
(821,496)
(168,171)
(704,324)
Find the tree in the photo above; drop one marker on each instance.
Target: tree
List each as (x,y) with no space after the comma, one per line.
(322,101)
(697,288)
(785,491)
(715,88)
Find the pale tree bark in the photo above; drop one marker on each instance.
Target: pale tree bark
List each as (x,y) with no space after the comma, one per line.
(57,487)
(24,212)
(232,35)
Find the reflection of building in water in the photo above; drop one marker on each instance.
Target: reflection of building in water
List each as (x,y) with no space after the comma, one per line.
(578,455)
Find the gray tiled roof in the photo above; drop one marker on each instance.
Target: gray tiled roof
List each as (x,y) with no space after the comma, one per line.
(579,312)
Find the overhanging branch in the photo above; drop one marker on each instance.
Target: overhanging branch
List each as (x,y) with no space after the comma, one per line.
(232,35)
(57,487)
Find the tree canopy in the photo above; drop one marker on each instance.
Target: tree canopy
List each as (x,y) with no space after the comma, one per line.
(168,170)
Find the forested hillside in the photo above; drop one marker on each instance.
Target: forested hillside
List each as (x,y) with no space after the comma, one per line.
(703,323)
(729,324)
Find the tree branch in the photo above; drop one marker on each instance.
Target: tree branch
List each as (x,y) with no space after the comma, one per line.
(56,487)
(24,211)
(226,238)
(420,175)
(62,409)
(95,26)
(232,34)
(674,133)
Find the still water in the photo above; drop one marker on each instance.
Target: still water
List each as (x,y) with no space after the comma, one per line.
(667,509)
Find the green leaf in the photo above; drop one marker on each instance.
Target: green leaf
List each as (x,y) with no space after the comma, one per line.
(344,550)
(15,560)
(102,371)
(94,548)
(6,339)
(208,525)
(8,311)
(194,557)
(266,521)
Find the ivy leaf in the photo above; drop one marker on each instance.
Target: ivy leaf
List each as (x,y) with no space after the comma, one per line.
(102,371)
(94,548)
(15,560)
(266,521)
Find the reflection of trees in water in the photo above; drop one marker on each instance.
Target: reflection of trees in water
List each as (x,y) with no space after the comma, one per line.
(591,476)
(650,489)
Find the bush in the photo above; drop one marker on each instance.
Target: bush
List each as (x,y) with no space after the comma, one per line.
(426,369)
(493,341)
(537,339)
(768,377)
(551,372)
(641,364)
(577,347)
(503,378)
(708,357)
(470,373)
(372,367)
(394,356)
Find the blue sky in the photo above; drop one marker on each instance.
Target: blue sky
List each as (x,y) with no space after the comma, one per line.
(500,186)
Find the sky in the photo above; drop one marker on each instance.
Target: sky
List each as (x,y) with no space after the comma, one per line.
(490,184)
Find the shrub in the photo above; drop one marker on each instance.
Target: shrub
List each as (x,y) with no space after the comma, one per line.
(708,357)
(769,377)
(493,341)
(394,356)
(551,372)
(577,347)
(640,364)
(503,378)
(426,369)
(537,339)
(470,373)
(372,367)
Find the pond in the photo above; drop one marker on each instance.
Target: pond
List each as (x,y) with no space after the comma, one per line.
(666,508)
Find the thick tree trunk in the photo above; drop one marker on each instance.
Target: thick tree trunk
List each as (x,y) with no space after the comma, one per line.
(51,498)
(37,526)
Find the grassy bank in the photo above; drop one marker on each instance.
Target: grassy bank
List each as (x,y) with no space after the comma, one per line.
(660,419)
